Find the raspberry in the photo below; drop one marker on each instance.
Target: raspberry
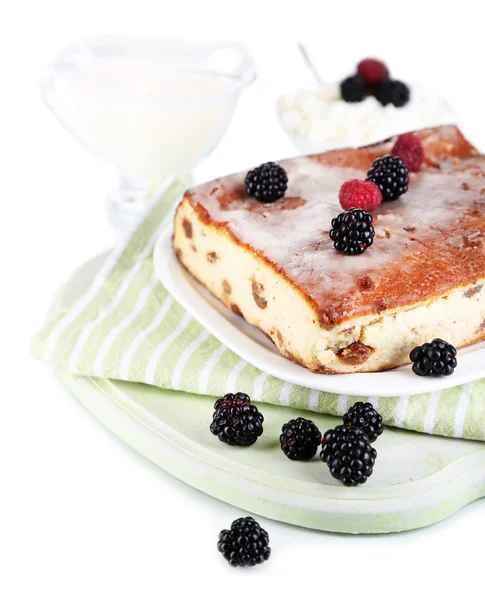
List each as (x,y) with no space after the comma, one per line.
(359,194)
(372,71)
(409,147)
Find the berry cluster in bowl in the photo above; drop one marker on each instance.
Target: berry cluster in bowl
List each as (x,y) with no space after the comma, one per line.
(366,107)
(373,79)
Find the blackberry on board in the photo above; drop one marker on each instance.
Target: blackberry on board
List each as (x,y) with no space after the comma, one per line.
(390,174)
(364,416)
(267,183)
(348,454)
(236,421)
(434,359)
(300,439)
(352,231)
(245,544)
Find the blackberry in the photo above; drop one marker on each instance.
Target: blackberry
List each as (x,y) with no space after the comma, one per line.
(267,183)
(364,416)
(390,174)
(393,92)
(300,439)
(352,89)
(352,231)
(436,358)
(236,421)
(245,544)
(348,454)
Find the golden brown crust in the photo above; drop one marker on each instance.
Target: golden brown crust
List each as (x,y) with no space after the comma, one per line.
(438,150)
(205,218)
(439,266)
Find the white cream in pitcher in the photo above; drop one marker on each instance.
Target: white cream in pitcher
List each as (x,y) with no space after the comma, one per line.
(150,117)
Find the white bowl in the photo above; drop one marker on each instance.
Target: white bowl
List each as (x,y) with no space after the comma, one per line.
(318,120)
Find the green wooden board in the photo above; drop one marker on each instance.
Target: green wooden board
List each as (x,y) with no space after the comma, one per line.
(418,479)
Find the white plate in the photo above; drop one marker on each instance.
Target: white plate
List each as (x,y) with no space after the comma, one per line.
(251,344)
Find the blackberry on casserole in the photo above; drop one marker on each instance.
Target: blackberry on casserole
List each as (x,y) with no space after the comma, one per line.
(352,231)
(236,421)
(300,439)
(364,416)
(434,359)
(245,544)
(267,183)
(390,174)
(352,89)
(348,454)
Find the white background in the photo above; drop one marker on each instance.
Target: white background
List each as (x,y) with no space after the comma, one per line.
(83,516)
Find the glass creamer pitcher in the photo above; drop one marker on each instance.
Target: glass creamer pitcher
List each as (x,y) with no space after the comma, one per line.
(149,107)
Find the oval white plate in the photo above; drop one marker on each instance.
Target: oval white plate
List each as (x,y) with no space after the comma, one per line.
(251,344)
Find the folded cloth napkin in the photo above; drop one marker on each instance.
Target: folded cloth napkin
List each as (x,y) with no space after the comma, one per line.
(126,326)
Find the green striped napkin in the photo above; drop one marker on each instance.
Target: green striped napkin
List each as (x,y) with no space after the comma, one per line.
(126,326)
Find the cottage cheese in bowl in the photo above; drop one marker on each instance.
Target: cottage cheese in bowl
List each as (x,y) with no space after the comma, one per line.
(318,120)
